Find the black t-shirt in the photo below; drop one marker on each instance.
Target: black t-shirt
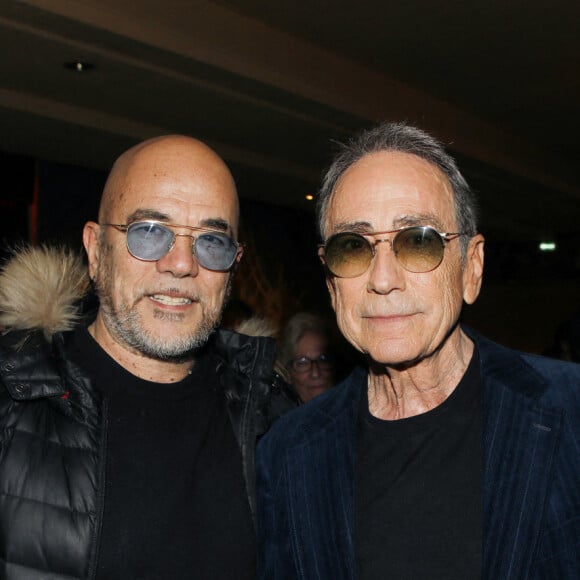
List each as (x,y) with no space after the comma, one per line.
(175,502)
(418,490)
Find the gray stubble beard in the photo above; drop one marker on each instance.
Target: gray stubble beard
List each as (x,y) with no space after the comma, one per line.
(125,325)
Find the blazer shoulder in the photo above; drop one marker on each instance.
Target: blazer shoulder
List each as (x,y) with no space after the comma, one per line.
(549,382)
(562,380)
(314,416)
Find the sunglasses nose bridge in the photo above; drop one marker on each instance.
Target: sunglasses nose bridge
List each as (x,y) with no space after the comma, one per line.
(376,242)
(391,241)
(178,235)
(383,240)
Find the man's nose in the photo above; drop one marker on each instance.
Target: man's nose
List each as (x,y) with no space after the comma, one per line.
(180,260)
(385,273)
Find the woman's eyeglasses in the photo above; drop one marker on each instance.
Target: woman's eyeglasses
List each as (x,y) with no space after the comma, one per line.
(303,364)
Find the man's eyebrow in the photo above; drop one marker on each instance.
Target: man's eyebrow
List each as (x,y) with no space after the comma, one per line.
(362,227)
(147,214)
(216,224)
(151,214)
(357,227)
(421,219)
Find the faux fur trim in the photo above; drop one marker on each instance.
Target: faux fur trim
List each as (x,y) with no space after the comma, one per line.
(40,288)
(256,326)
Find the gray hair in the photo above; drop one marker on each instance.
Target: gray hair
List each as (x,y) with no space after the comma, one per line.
(402,138)
(296,328)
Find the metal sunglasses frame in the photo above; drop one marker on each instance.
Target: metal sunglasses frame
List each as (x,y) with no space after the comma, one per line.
(445,237)
(125,229)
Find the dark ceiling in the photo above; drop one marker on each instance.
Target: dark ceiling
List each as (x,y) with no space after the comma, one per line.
(271,84)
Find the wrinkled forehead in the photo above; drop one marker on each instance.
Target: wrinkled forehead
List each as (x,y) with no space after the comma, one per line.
(385,190)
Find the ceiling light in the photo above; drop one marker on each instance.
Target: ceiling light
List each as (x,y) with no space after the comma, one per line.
(309,197)
(547,246)
(79,66)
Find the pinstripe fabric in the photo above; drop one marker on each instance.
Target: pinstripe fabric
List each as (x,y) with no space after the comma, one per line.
(532,460)
(531,503)
(305,490)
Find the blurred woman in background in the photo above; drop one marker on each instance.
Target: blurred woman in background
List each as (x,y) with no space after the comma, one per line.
(306,353)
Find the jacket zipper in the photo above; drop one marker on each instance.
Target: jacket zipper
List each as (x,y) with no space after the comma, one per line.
(100,494)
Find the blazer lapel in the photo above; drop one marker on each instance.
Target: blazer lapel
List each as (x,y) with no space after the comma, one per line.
(321,487)
(519,441)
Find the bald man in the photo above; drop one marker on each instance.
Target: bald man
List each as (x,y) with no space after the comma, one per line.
(127,443)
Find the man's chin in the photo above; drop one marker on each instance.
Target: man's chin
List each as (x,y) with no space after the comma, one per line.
(175,348)
(392,357)
(168,352)
(160,338)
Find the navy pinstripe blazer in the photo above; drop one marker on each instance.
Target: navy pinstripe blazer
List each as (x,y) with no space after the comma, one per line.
(531,488)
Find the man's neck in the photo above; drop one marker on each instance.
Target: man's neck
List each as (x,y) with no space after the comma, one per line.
(398,393)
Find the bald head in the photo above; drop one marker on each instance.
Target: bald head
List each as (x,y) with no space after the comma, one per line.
(174,162)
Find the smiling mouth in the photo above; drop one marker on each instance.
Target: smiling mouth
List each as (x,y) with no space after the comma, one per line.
(171,300)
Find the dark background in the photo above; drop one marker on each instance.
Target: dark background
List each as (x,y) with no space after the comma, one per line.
(270,86)
(526,293)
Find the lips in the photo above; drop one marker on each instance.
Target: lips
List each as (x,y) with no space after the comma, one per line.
(171,300)
(390,316)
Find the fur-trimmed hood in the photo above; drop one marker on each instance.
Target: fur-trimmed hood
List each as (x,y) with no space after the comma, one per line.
(41,288)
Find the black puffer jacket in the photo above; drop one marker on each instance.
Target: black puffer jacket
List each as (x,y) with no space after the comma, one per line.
(53,429)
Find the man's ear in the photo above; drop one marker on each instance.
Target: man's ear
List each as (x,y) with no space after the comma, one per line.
(473,270)
(91,233)
(330,281)
(239,255)
(330,284)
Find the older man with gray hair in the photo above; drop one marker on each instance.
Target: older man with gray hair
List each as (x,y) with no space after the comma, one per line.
(447,456)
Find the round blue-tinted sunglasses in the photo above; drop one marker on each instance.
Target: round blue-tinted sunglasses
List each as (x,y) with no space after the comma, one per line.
(151,240)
